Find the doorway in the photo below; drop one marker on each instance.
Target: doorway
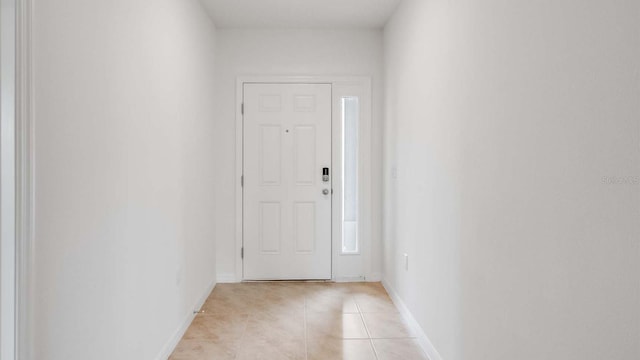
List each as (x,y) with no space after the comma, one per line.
(343,244)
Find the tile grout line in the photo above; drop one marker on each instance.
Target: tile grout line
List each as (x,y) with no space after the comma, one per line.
(375,353)
(306,347)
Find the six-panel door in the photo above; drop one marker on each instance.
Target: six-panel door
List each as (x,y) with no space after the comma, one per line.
(286,215)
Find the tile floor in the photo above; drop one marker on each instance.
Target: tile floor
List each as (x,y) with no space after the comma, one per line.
(298,320)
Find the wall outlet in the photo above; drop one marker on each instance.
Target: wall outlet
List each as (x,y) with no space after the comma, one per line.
(406,261)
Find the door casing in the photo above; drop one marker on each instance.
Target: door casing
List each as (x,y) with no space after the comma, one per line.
(345,267)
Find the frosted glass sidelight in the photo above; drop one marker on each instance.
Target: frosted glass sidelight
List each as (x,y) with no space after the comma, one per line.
(350,120)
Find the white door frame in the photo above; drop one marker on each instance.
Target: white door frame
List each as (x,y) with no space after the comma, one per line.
(344,267)
(7,181)
(18,147)
(24,181)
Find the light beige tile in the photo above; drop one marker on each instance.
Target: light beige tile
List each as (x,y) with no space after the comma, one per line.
(338,326)
(338,349)
(203,350)
(368,288)
(217,327)
(330,289)
(280,292)
(273,336)
(275,326)
(338,303)
(386,325)
(393,349)
(261,348)
(236,291)
(224,306)
(252,298)
(229,302)
(266,320)
(373,303)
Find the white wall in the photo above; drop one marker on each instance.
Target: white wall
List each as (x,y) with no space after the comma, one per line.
(124,176)
(287,52)
(514,129)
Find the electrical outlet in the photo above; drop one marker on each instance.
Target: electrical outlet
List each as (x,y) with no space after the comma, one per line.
(406,262)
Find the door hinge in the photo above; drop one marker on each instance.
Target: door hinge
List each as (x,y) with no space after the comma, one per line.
(242,253)
(241,180)
(242,108)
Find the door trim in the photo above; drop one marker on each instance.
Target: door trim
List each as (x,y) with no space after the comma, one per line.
(24,181)
(340,87)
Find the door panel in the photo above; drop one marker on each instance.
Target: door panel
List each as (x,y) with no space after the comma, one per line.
(270,232)
(270,154)
(304,153)
(304,226)
(286,216)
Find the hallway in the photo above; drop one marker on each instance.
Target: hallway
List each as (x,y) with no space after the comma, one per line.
(459,180)
(298,320)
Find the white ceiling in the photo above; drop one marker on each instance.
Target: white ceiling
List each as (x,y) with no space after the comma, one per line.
(300,13)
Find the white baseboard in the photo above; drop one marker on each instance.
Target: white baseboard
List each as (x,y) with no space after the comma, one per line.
(227,278)
(177,335)
(230,278)
(423,340)
(374,277)
(347,279)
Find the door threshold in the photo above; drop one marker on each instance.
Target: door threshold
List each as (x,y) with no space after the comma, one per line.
(289,281)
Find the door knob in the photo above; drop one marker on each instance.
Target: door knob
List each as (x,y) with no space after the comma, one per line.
(325,191)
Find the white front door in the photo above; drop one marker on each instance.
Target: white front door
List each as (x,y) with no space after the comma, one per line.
(286,201)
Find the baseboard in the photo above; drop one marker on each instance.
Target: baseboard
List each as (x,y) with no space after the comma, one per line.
(227,278)
(177,335)
(230,278)
(423,340)
(347,279)
(374,277)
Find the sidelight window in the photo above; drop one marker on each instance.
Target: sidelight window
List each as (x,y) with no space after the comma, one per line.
(350,121)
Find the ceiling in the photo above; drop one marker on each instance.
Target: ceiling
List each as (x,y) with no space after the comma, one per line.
(300,13)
